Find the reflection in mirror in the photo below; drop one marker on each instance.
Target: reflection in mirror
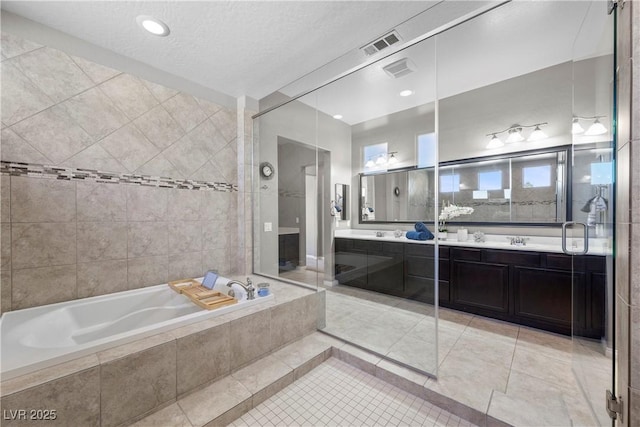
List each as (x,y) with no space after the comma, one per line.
(524,188)
(340,202)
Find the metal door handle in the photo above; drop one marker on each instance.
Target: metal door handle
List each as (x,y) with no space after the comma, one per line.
(585,229)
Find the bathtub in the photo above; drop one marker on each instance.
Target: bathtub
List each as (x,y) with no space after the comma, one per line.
(39,337)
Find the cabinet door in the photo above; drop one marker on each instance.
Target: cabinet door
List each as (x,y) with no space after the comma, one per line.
(419,279)
(480,285)
(543,298)
(385,268)
(350,264)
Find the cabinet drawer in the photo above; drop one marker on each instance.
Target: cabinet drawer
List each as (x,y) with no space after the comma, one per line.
(418,249)
(392,248)
(361,245)
(559,262)
(527,259)
(343,245)
(466,254)
(423,267)
(420,289)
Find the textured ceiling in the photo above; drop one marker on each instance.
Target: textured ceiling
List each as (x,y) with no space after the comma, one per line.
(235,47)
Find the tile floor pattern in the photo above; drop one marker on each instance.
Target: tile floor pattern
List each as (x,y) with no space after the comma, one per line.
(337,394)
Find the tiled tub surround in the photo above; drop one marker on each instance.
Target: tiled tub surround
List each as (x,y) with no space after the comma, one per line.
(63,240)
(89,238)
(39,337)
(119,385)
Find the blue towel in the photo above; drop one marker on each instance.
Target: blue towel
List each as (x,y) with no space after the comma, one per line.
(421,227)
(418,235)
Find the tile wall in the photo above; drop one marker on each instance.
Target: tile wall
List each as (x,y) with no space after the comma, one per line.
(66,237)
(627,298)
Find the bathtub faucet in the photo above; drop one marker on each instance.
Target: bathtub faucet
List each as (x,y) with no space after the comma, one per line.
(248,287)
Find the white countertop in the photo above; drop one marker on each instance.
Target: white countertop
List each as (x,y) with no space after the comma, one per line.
(597,246)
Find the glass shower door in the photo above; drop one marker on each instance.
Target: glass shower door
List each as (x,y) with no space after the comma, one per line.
(588,239)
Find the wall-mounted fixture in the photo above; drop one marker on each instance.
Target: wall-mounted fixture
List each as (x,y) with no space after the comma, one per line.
(515,135)
(153,25)
(382,160)
(596,127)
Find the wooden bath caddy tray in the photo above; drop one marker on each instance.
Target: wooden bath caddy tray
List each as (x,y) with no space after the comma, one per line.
(204,297)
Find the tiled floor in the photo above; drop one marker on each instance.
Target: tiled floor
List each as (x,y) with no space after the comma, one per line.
(337,394)
(516,374)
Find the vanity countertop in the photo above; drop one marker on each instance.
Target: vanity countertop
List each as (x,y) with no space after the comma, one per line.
(597,246)
(289,230)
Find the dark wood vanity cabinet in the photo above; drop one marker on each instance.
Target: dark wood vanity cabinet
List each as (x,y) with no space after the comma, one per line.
(374,265)
(531,288)
(536,289)
(419,277)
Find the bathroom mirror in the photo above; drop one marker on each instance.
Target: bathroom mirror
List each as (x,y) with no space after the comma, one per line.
(340,203)
(525,188)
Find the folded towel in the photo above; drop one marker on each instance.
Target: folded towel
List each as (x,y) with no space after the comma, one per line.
(419,235)
(420,226)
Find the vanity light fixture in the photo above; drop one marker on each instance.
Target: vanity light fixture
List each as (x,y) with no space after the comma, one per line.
(369,164)
(495,142)
(596,128)
(515,135)
(153,25)
(537,135)
(381,160)
(575,126)
(337,116)
(392,158)
(406,93)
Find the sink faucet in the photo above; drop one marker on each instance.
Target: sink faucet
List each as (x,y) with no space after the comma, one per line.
(248,287)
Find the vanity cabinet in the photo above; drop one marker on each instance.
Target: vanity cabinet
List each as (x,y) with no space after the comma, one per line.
(531,288)
(288,251)
(536,289)
(373,265)
(419,275)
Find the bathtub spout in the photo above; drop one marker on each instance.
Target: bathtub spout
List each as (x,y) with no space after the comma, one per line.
(248,287)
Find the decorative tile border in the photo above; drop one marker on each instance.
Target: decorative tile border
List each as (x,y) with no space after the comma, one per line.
(73,174)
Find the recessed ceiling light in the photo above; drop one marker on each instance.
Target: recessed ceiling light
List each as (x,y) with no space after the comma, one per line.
(406,93)
(337,116)
(153,25)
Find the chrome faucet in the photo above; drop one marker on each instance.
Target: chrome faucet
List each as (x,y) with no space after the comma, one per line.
(248,287)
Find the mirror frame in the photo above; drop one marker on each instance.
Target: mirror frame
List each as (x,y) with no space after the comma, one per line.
(567,149)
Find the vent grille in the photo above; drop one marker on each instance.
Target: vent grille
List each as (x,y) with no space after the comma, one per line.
(400,68)
(382,43)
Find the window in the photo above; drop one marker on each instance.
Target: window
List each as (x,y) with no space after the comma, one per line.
(427,150)
(373,153)
(536,176)
(490,180)
(450,183)
(601,173)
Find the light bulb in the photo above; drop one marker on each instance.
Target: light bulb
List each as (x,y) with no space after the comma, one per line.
(153,25)
(596,128)
(495,142)
(369,164)
(406,93)
(575,126)
(393,159)
(381,160)
(515,135)
(337,116)
(537,135)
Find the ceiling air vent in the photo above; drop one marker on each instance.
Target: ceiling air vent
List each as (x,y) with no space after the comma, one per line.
(382,43)
(399,68)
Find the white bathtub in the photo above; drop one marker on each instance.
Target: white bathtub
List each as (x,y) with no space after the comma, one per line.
(35,338)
